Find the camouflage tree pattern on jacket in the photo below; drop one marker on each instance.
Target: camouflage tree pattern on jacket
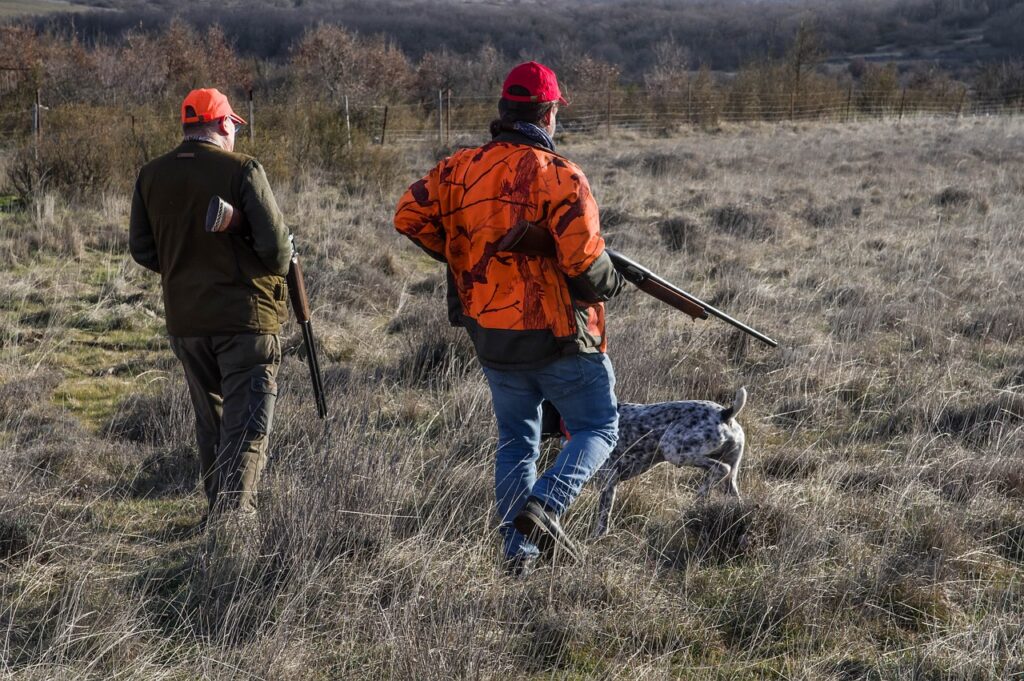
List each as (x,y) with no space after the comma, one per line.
(520,310)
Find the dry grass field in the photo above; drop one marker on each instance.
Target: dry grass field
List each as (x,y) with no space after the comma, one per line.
(881,532)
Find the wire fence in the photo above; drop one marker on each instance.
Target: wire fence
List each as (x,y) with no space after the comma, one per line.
(467,118)
(450,119)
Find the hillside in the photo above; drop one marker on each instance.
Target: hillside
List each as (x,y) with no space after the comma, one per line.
(723,35)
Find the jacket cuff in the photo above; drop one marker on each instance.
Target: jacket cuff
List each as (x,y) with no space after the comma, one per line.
(599,282)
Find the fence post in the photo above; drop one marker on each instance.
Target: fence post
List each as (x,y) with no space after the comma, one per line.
(960,104)
(384,127)
(252,118)
(689,101)
(440,116)
(448,118)
(348,125)
(37,124)
(792,106)
(608,107)
(849,103)
(903,101)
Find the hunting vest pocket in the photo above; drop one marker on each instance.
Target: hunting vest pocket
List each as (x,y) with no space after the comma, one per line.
(262,397)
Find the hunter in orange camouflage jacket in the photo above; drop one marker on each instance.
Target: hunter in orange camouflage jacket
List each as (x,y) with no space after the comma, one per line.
(520,311)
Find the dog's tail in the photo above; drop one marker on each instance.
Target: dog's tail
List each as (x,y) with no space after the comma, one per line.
(737,405)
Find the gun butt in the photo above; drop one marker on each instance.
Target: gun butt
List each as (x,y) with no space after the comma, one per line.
(221,216)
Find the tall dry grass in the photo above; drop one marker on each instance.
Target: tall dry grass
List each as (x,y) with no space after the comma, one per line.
(881,534)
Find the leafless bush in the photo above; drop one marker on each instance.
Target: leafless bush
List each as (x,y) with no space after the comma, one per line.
(956,197)
(742,222)
(681,234)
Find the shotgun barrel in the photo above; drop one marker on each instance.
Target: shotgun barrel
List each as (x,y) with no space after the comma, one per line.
(300,305)
(652,284)
(530,239)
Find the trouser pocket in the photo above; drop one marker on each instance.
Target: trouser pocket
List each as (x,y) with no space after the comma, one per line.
(262,397)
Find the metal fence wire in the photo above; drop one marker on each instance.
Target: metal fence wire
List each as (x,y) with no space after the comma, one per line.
(448,118)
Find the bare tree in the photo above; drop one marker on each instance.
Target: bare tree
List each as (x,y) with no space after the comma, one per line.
(804,54)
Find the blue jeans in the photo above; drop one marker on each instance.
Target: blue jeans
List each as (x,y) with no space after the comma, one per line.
(582,388)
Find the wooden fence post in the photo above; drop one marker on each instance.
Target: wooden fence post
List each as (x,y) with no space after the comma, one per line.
(37,124)
(689,101)
(252,118)
(448,119)
(348,125)
(440,116)
(903,101)
(384,127)
(849,103)
(608,107)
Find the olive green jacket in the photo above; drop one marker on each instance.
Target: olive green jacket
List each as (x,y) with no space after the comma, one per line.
(213,283)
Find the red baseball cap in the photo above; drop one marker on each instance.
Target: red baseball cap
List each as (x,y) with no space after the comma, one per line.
(208,104)
(537,80)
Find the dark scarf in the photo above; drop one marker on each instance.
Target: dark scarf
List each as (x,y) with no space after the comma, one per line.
(530,131)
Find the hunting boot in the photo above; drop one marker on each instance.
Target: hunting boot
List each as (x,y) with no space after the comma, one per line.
(542,528)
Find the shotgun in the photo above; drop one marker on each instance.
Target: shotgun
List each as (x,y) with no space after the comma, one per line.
(222,217)
(530,239)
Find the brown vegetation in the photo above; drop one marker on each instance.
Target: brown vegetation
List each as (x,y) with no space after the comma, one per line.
(881,530)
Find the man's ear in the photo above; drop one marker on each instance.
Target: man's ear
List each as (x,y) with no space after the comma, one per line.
(222,126)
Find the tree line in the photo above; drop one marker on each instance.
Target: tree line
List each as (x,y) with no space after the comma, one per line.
(723,34)
(112,102)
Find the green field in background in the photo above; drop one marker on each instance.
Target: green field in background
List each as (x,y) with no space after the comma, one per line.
(14,8)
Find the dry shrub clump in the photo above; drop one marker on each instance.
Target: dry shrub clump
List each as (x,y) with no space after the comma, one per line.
(742,222)
(681,234)
(957,197)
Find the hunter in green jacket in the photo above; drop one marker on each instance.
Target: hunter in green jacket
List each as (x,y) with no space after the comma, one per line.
(224,294)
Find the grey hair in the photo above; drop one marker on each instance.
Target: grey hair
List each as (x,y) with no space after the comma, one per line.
(204,129)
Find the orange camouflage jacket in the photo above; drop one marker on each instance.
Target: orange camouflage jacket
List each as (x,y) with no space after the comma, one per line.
(520,311)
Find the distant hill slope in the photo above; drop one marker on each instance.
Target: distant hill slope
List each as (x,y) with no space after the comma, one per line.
(721,33)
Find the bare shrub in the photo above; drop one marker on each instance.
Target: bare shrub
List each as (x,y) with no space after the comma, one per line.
(83,161)
(789,465)
(17,534)
(978,423)
(681,234)
(438,362)
(726,530)
(614,217)
(956,197)
(742,222)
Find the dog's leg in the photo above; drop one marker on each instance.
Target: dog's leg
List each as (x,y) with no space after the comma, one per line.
(605,506)
(717,472)
(734,489)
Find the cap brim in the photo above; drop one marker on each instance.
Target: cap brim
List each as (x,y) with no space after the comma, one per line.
(237,119)
(563,101)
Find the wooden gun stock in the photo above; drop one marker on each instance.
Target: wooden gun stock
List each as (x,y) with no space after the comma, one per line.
(530,239)
(297,290)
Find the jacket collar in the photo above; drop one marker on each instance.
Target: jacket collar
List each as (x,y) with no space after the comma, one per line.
(513,134)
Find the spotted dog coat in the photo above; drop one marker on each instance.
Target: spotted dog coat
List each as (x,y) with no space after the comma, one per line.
(690,433)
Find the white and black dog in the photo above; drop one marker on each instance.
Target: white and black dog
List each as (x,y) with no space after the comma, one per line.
(690,433)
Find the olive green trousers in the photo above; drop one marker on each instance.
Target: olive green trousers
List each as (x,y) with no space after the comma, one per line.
(232,381)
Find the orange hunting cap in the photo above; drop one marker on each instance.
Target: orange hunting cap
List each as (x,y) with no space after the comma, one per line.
(208,104)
